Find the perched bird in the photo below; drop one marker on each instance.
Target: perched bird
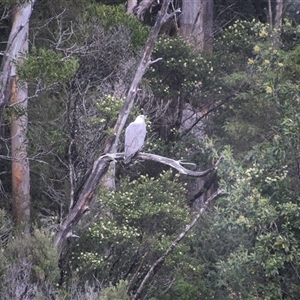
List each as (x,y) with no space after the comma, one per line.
(135,134)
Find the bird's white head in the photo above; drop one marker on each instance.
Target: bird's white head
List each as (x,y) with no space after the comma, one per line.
(140,118)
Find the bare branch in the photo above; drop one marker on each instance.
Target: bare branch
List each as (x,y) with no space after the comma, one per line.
(82,205)
(154,61)
(176,164)
(99,170)
(143,65)
(176,242)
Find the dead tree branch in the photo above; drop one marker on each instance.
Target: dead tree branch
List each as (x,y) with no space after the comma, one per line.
(188,227)
(163,16)
(176,164)
(99,170)
(82,205)
(101,165)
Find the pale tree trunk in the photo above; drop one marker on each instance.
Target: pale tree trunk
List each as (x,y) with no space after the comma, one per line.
(130,6)
(142,7)
(196,23)
(278,14)
(15,44)
(15,92)
(270,15)
(277,23)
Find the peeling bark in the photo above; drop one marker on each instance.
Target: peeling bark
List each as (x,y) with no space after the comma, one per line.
(196,23)
(15,45)
(20,162)
(15,93)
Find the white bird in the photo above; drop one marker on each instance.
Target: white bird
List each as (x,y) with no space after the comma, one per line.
(135,134)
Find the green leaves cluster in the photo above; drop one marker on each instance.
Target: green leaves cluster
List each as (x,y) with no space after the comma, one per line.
(116,292)
(28,263)
(139,220)
(267,267)
(181,72)
(109,109)
(263,198)
(48,66)
(112,17)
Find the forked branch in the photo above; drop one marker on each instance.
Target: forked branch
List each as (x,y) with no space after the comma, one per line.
(99,170)
(101,165)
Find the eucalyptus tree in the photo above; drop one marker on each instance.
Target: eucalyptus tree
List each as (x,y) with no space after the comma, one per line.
(14,93)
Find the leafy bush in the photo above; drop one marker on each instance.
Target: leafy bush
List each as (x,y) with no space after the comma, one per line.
(182,72)
(48,66)
(136,225)
(115,292)
(31,266)
(112,17)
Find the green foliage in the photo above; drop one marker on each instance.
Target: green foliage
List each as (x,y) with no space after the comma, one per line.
(182,290)
(261,87)
(39,251)
(292,65)
(290,34)
(112,17)
(5,234)
(238,37)
(116,292)
(138,222)
(181,72)
(48,66)
(29,260)
(109,108)
(261,203)
(233,45)
(245,248)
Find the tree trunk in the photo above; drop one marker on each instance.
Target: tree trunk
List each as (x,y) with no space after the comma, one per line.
(20,163)
(196,23)
(131,5)
(278,14)
(142,7)
(270,15)
(18,36)
(16,92)
(276,39)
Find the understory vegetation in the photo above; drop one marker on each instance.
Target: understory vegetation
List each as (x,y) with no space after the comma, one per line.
(245,102)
